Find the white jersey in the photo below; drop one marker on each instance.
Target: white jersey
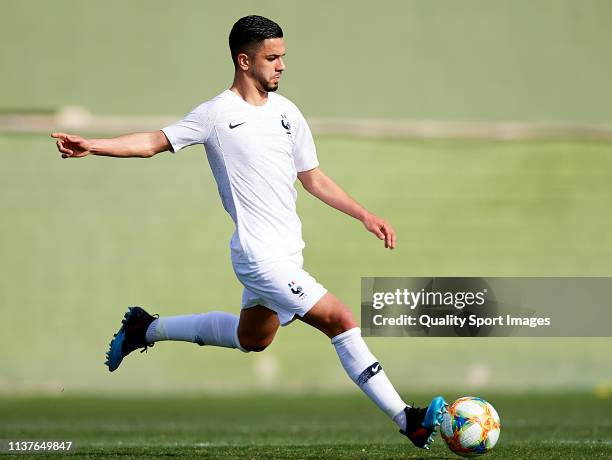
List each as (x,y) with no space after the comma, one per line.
(255,153)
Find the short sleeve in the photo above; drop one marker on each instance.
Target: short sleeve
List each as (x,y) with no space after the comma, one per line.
(193,129)
(304,150)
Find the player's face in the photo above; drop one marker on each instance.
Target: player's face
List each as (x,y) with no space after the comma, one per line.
(268,64)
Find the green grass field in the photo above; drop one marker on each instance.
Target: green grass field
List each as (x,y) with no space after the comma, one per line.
(534,426)
(82,239)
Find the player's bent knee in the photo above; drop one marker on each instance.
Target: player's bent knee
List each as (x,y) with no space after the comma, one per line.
(331,316)
(338,322)
(255,344)
(343,320)
(254,347)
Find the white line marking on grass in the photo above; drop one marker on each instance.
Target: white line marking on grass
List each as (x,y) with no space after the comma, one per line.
(80,119)
(577,441)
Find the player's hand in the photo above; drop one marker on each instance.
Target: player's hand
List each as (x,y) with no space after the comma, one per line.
(381,228)
(71,146)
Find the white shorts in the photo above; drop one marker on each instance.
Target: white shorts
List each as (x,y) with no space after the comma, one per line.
(281,285)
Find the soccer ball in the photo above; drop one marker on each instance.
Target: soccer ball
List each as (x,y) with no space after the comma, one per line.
(470,427)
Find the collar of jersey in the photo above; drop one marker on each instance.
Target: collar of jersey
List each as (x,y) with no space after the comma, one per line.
(254,107)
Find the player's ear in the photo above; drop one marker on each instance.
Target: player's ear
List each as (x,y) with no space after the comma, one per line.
(243,61)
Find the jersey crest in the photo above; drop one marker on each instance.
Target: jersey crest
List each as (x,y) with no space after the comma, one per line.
(285,123)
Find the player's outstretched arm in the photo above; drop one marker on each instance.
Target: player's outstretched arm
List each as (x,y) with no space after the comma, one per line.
(137,145)
(317,183)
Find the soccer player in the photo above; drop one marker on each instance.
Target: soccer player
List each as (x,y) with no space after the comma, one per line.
(257,143)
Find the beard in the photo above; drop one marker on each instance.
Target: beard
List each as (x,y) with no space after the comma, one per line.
(269,86)
(266,85)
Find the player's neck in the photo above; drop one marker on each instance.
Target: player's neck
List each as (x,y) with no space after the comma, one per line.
(249,92)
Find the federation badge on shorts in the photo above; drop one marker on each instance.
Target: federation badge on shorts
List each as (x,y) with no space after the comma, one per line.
(297,290)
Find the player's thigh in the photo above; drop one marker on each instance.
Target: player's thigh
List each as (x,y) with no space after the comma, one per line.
(257,326)
(330,316)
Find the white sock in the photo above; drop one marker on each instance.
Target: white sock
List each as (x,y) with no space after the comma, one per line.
(362,367)
(216,328)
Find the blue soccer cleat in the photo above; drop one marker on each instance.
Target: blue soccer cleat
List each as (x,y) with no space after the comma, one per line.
(131,336)
(421,423)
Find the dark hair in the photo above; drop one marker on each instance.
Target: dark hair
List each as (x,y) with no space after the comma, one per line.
(251,30)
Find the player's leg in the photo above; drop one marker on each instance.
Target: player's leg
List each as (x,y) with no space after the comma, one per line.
(215,328)
(254,330)
(336,320)
(139,329)
(257,328)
